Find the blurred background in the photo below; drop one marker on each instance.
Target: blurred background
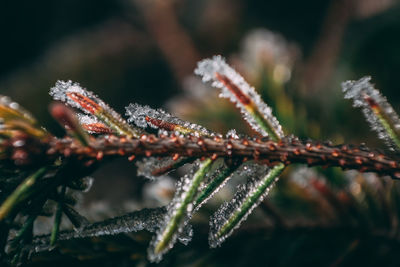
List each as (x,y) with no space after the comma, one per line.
(296,54)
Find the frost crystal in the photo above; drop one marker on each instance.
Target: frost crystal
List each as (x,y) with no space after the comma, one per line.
(378,112)
(248,196)
(145,116)
(232,134)
(247,100)
(59,92)
(93,125)
(87,119)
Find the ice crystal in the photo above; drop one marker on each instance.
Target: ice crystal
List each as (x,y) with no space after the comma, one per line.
(87,119)
(248,196)
(232,134)
(91,105)
(179,211)
(378,112)
(59,92)
(247,100)
(145,116)
(93,125)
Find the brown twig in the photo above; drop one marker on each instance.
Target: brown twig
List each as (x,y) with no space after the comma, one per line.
(266,151)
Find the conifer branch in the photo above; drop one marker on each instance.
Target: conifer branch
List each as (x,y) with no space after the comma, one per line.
(269,152)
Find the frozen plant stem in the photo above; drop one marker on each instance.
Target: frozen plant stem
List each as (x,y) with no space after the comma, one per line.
(165,236)
(384,121)
(145,116)
(259,116)
(252,199)
(76,96)
(67,118)
(237,90)
(251,108)
(378,112)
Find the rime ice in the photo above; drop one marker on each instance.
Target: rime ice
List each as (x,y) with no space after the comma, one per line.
(60,90)
(362,90)
(232,134)
(208,68)
(87,119)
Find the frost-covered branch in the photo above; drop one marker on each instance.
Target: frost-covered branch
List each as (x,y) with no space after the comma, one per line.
(286,151)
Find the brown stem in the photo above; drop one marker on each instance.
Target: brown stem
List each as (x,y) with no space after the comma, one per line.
(266,151)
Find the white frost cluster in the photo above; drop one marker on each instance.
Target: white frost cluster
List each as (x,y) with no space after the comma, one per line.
(220,218)
(207,69)
(232,134)
(359,91)
(137,115)
(60,90)
(87,119)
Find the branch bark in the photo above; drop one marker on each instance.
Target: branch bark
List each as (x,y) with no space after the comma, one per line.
(290,150)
